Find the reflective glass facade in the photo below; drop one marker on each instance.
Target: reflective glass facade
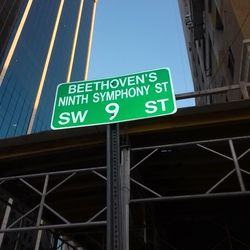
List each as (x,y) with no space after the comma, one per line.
(21,78)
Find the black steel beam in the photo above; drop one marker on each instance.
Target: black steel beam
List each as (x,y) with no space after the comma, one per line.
(114,211)
(191,197)
(57,226)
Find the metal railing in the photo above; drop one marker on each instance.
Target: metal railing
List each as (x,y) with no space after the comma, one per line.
(234,158)
(242,86)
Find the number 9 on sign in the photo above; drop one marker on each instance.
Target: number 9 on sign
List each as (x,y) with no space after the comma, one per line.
(112,109)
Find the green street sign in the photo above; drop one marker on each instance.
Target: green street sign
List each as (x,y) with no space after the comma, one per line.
(111,100)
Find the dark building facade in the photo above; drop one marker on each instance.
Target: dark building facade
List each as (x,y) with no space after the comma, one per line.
(218,42)
(43,43)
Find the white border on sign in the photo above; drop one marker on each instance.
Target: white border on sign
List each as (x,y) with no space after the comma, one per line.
(106,123)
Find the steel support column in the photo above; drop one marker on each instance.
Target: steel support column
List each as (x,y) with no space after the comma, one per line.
(114,211)
(237,167)
(40,212)
(5,219)
(125,195)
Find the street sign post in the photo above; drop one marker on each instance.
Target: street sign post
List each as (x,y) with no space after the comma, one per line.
(110,101)
(113,100)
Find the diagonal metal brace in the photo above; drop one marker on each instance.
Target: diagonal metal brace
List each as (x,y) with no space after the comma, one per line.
(56,213)
(62,182)
(30,186)
(244,171)
(220,181)
(145,158)
(243,154)
(215,152)
(136,182)
(97,214)
(23,216)
(145,187)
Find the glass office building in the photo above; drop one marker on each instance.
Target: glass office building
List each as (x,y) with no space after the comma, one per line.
(42,43)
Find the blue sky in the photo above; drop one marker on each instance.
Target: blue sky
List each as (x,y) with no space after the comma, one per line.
(136,35)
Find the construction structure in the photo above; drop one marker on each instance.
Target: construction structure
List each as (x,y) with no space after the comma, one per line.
(172,182)
(217,36)
(43,43)
(183,183)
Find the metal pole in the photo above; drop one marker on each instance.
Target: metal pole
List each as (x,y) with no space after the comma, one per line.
(114,222)
(192,197)
(45,186)
(5,219)
(40,212)
(243,88)
(237,167)
(81,170)
(57,226)
(189,143)
(125,193)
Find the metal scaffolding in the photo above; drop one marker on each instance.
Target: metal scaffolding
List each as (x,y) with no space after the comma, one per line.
(124,182)
(140,182)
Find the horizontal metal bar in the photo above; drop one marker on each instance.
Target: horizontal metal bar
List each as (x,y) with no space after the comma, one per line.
(57,226)
(53,173)
(207,92)
(191,197)
(190,143)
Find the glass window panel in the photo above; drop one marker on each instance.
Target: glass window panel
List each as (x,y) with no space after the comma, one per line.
(18,90)
(57,72)
(29,57)
(82,43)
